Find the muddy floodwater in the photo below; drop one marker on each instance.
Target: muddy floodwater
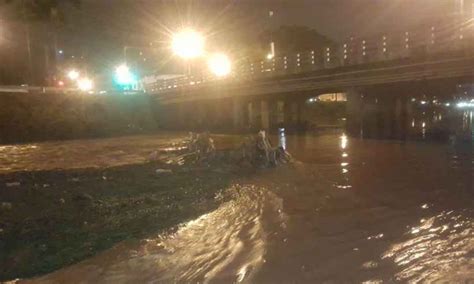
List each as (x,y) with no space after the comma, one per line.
(349,211)
(87,153)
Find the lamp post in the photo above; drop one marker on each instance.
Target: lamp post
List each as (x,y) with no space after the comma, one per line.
(28,40)
(271,55)
(188,44)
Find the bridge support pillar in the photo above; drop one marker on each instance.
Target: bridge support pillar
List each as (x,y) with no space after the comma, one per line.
(201,115)
(402,110)
(280,113)
(387,105)
(287,113)
(250,114)
(378,113)
(396,109)
(264,115)
(254,115)
(218,115)
(237,114)
(355,112)
(409,116)
(372,119)
(180,121)
(290,116)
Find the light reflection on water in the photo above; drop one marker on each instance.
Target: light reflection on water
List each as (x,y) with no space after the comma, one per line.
(440,249)
(282,138)
(227,245)
(353,211)
(408,185)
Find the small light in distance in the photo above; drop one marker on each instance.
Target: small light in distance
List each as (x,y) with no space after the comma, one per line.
(465,105)
(60,83)
(220,65)
(85,84)
(188,44)
(73,75)
(270,56)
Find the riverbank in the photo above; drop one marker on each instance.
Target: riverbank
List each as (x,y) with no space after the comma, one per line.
(51,219)
(46,117)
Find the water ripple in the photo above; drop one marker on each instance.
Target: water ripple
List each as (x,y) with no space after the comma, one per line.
(439,249)
(228,244)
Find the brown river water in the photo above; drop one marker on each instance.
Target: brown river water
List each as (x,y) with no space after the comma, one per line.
(349,211)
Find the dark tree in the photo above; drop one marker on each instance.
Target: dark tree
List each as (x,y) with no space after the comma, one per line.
(42,20)
(42,10)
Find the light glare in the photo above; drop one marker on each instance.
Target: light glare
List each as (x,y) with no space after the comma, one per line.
(85,84)
(220,65)
(465,105)
(123,75)
(73,75)
(188,44)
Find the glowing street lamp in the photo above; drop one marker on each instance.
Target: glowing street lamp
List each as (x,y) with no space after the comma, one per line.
(123,75)
(73,75)
(85,84)
(220,65)
(188,44)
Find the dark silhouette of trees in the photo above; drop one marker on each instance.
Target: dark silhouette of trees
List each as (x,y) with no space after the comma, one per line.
(42,10)
(41,21)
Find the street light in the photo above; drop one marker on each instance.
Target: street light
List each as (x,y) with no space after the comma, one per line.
(219,64)
(85,84)
(123,75)
(188,44)
(73,75)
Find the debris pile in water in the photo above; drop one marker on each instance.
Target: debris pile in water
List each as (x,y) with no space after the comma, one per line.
(259,151)
(256,151)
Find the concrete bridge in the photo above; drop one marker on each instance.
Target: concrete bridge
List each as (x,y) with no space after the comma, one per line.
(382,78)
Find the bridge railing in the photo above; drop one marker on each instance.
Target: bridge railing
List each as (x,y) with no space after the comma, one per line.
(418,44)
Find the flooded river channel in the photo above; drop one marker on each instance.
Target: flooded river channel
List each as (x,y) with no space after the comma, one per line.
(349,211)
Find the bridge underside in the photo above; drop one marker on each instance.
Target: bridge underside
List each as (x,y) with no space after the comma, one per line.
(382,102)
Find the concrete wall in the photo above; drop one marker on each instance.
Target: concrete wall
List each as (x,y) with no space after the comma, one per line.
(39,117)
(249,114)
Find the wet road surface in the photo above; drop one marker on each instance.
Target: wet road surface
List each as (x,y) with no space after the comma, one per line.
(350,211)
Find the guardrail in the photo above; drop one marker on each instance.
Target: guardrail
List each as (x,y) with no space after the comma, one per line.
(419,43)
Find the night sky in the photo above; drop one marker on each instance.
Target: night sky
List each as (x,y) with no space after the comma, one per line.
(109,24)
(98,31)
(335,18)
